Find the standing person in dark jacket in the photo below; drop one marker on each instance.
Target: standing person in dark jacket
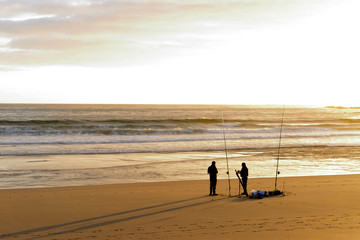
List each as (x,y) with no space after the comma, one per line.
(244,172)
(212,171)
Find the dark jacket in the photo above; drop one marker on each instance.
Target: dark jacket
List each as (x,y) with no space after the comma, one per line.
(244,172)
(212,170)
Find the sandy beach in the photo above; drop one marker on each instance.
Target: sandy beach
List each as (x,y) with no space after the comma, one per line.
(325,207)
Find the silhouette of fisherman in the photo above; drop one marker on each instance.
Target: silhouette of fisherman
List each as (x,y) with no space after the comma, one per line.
(212,171)
(244,172)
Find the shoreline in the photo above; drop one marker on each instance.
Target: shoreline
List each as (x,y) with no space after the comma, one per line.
(318,207)
(82,170)
(233,181)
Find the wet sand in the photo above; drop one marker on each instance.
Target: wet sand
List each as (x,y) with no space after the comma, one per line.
(325,207)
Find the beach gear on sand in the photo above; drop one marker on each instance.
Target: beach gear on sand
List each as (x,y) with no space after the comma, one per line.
(260,194)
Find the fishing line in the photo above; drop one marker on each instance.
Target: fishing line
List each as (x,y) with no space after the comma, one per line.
(226,155)
(278,155)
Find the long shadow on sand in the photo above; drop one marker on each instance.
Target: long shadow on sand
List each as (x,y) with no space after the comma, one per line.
(108,222)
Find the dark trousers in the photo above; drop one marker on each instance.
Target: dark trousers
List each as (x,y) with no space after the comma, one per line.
(212,186)
(244,180)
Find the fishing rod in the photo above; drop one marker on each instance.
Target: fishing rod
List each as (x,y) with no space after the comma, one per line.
(278,155)
(226,155)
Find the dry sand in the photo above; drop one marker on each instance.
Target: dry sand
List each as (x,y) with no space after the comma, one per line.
(324,207)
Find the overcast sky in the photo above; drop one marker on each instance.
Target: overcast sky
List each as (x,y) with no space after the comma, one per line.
(180,51)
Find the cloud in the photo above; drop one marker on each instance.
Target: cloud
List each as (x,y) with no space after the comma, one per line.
(71,28)
(273,50)
(94,33)
(104,32)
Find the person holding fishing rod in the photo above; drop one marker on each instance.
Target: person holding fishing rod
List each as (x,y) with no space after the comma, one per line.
(244,172)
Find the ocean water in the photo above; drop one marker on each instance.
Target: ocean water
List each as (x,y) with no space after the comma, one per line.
(63,145)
